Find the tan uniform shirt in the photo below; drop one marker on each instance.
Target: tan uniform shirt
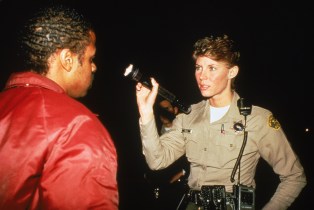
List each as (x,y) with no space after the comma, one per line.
(213,148)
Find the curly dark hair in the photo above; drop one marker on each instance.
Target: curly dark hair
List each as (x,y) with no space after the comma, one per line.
(219,48)
(53,27)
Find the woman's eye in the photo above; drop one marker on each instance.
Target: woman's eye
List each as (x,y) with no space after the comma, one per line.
(197,68)
(211,68)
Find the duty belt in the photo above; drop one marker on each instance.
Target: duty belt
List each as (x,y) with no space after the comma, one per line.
(195,196)
(212,197)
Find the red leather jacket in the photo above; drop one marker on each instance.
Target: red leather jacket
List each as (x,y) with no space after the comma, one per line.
(54,152)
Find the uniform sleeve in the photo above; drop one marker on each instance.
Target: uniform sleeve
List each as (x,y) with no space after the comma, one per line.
(162,151)
(80,171)
(277,151)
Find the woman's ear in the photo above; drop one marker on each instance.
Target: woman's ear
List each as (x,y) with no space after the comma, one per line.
(66,59)
(233,72)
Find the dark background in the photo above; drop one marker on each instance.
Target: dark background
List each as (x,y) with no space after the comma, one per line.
(276,42)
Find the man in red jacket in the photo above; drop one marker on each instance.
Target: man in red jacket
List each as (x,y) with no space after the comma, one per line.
(54,152)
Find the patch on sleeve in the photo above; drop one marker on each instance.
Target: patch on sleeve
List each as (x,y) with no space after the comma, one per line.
(273,122)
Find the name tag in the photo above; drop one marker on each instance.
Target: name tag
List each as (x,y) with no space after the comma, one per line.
(185,130)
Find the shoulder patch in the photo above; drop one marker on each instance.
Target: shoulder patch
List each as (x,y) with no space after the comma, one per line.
(273,122)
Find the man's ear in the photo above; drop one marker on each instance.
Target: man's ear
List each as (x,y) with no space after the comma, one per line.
(233,72)
(66,59)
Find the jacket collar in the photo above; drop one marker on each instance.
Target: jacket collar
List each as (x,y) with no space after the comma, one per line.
(30,79)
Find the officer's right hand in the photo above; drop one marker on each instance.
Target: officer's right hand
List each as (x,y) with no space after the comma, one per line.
(146,99)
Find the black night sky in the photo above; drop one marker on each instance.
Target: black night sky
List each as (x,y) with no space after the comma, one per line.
(276,42)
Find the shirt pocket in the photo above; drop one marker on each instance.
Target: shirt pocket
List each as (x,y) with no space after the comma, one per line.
(232,141)
(194,147)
